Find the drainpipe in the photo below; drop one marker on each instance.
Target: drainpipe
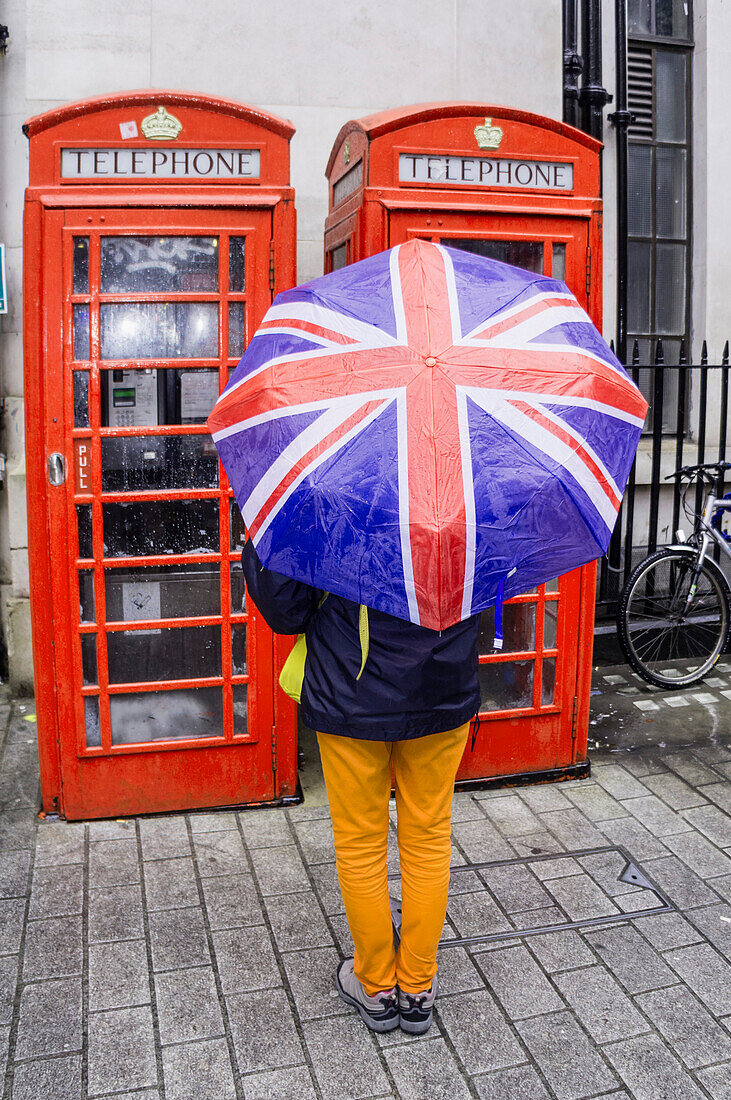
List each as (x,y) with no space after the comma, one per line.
(572,64)
(621,119)
(593,95)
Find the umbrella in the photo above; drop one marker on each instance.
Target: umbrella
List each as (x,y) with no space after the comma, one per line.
(427,432)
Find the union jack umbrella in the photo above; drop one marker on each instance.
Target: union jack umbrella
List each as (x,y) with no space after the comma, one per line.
(428,431)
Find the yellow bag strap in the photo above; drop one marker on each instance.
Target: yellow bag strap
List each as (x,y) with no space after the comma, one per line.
(364,634)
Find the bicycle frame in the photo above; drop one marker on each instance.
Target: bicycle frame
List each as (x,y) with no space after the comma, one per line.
(709,537)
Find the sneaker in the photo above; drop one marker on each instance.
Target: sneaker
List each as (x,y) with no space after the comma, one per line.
(380,1012)
(416,1009)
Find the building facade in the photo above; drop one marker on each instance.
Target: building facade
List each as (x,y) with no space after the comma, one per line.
(320,65)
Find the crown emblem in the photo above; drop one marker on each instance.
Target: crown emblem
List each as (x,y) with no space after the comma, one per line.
(487,135)
(161,126)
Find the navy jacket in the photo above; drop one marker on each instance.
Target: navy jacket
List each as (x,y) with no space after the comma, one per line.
(415,681)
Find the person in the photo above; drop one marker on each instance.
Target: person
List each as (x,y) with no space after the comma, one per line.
(402,706)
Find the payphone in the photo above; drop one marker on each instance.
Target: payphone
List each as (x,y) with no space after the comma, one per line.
(524,190)
(158,227)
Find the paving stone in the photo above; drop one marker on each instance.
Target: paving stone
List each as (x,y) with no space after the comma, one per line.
(219,853)
(560,867)
(722,886)
(518,1083)
(706,972)
(316,841)
(464,808)
(457,972)
(170,883)
(560,950)
(630,958)
(689,769)
(649,1070)
(325,878)
(679,883)
(617,781)
(342,935)
(463,881)
(536,844)
(573,829)
(54,1078)
(511,816)
(50,1018)
(689,1029)
(634,837)
(53,948)
(14,867)
(201,1070)
(311,977)
(605,868)
(178,939)
(425,1070)
(265,828)
(187,1005)
(8,984)
(118,975)
(245,962)
(715,924)
(583,1074)
(164,837)
(480,841)
(656,816)
(263,1030)
(121,1050)
(667,930)
(581,898)
(476,915)
(720,793)
(515,887)
(345,1078)
(544,797)
(216,821)
(281,1084)
(115,913)
(672,790)
(59,842)
(279,870)
(113,863)
(642,763)
(297,922)
(518,982)
(12,914)
(717,1080)
(713,823)
(232,901)
(595,803)
(4,1050)
(56,891)
(699,854)
(601,1006)
(123,829)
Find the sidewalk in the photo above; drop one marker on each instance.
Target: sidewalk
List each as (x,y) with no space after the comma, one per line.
(192,957)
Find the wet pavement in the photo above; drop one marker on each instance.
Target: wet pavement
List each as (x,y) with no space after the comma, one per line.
(192,956)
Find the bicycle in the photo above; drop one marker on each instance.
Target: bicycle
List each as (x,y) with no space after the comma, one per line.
(674,612)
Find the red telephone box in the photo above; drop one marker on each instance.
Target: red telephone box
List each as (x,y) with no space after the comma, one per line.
(525,190)
(158,227)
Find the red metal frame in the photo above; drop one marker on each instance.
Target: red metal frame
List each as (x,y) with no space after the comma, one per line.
(546,738)
(257,765)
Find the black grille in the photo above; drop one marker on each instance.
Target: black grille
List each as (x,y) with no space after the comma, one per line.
(640,90)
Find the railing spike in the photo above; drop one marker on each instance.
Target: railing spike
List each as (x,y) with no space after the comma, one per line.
(611,346)
(724,357)
(704,354)
(636,353)
(659,353)
(682,358)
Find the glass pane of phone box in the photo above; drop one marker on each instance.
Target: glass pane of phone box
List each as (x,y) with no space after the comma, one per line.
(162,592)
(172,653)
(144,716)
(146,528)
(158,462)
(146,398)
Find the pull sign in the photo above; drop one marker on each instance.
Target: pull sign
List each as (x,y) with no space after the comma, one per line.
(56,469)
(82,450)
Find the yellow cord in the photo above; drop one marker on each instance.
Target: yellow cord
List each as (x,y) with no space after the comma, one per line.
(364,637)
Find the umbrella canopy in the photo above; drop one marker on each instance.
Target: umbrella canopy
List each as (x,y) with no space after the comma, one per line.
(426,429)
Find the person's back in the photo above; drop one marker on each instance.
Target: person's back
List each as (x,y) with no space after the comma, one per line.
(399,705)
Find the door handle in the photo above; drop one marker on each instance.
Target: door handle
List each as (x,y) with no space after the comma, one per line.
(56,468)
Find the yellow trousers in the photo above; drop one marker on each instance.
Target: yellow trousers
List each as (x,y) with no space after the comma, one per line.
(358,780)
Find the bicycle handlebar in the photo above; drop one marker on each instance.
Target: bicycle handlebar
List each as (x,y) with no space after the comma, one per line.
(702,470)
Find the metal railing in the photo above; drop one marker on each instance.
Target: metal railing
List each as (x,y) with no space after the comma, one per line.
(687,422)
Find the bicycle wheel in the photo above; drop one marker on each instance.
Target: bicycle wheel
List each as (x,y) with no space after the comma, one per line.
(666,645)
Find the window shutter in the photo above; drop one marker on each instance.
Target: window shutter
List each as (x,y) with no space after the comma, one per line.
(640,91)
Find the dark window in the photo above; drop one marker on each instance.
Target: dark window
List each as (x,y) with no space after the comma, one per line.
(659,188)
